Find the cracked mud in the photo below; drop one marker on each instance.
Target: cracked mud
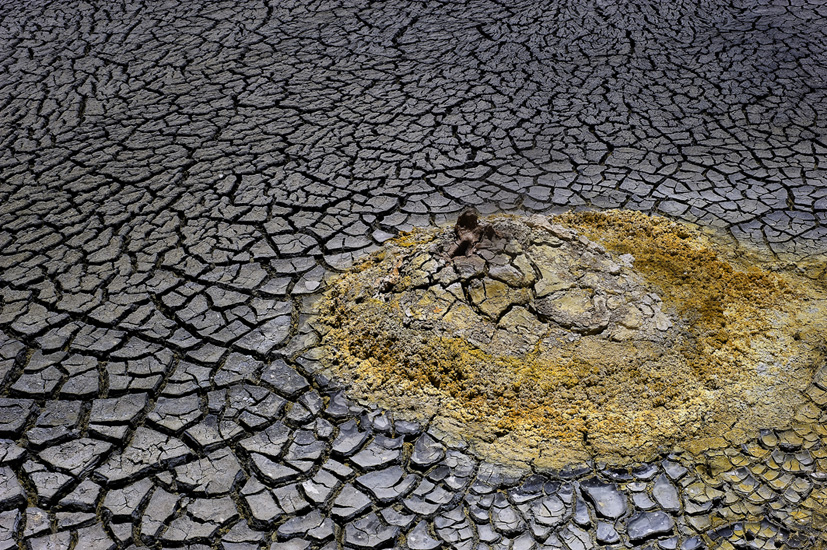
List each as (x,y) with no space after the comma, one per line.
(541,346)
(179,181)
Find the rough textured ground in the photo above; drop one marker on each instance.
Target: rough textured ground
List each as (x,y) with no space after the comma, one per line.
(540,347)
(177,178)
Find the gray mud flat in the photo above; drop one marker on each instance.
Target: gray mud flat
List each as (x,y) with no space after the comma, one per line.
(178,180)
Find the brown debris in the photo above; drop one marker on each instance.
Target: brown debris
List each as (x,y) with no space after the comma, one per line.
(470,234)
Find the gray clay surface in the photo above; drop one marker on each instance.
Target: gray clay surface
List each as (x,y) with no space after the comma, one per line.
(177,179)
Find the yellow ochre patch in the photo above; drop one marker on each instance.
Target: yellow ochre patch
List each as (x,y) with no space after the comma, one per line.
(609,335)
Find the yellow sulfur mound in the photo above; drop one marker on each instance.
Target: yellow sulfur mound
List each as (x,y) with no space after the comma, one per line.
(551,340)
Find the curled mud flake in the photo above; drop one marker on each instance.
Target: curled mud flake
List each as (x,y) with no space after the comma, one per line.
(544,340)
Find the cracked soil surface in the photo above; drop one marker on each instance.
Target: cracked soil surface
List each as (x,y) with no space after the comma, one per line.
(179,181)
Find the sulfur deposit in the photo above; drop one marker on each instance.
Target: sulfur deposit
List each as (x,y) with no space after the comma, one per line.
(593,335)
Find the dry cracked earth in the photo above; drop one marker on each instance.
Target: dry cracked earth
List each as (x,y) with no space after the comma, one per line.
(178,180)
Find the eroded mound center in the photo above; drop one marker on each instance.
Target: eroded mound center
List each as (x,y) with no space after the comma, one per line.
(584,335)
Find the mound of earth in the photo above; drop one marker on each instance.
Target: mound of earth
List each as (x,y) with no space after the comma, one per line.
(594,335)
